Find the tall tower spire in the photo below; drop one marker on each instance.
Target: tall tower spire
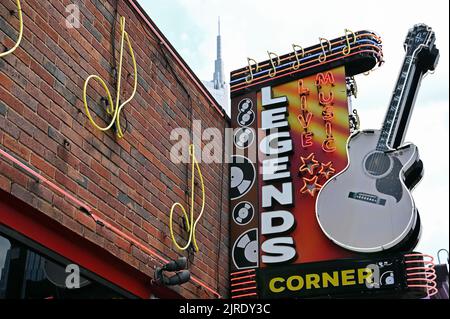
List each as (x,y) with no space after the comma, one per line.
(218,79)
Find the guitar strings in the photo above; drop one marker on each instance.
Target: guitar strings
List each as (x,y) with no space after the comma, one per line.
(377,163)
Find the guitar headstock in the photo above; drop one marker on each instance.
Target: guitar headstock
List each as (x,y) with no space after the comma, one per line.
(420,43)
(419,37)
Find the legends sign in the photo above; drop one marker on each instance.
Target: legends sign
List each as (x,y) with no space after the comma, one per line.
(291,120)
(276,147)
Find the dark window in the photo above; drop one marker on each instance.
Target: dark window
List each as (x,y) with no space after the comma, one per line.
(5,247)
(29,273)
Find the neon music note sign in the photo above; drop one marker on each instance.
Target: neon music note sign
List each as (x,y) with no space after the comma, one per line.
(191,224)
(112,109)
(19,38)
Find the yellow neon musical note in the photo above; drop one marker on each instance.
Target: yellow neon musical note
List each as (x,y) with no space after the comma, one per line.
(19,38)
(348,48)
(274,65)
(111,109)
(249,78)
(190,223)
(296,65)
(323,55)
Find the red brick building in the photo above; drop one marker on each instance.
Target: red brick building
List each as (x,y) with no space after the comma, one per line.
(70,193)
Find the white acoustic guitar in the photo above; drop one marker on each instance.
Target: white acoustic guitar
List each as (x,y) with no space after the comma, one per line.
(368,207)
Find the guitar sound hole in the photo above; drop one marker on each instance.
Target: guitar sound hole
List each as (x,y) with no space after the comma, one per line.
(377,164)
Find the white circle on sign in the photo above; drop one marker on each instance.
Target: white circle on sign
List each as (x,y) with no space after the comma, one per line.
(243,213)
(244,137)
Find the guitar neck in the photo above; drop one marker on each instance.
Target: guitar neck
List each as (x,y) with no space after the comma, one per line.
(400,108)
(402,119)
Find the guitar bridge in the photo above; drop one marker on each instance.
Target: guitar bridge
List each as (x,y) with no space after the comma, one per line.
(365,197)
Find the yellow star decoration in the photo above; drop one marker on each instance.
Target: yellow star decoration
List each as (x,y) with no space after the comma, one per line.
(327,170)
(310,186)
(309,164)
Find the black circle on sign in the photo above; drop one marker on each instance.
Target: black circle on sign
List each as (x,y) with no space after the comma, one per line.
(245,105)
(245,250)
(242,176)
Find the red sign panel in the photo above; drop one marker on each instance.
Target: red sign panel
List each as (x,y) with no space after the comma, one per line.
(318,128)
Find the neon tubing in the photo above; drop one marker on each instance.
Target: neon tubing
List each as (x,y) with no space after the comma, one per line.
(246,295)
(242,289)
(243,277)
(304,53)
(305,60)
(243,283)
(310,59)
(241,272)
(97,219)
(19,38)
(428,281)
(110,109)
(190,223)
(242,85)
(431,261)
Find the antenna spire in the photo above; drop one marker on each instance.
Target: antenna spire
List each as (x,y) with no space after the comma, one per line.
(218,70)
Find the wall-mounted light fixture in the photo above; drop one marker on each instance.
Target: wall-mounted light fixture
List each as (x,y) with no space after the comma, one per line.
(181,274)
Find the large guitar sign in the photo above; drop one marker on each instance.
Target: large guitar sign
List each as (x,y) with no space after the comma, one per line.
(368,207)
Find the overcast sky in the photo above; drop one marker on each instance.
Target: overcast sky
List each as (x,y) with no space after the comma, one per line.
(250,28)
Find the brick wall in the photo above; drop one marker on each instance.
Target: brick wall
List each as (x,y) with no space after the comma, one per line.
(130,182)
